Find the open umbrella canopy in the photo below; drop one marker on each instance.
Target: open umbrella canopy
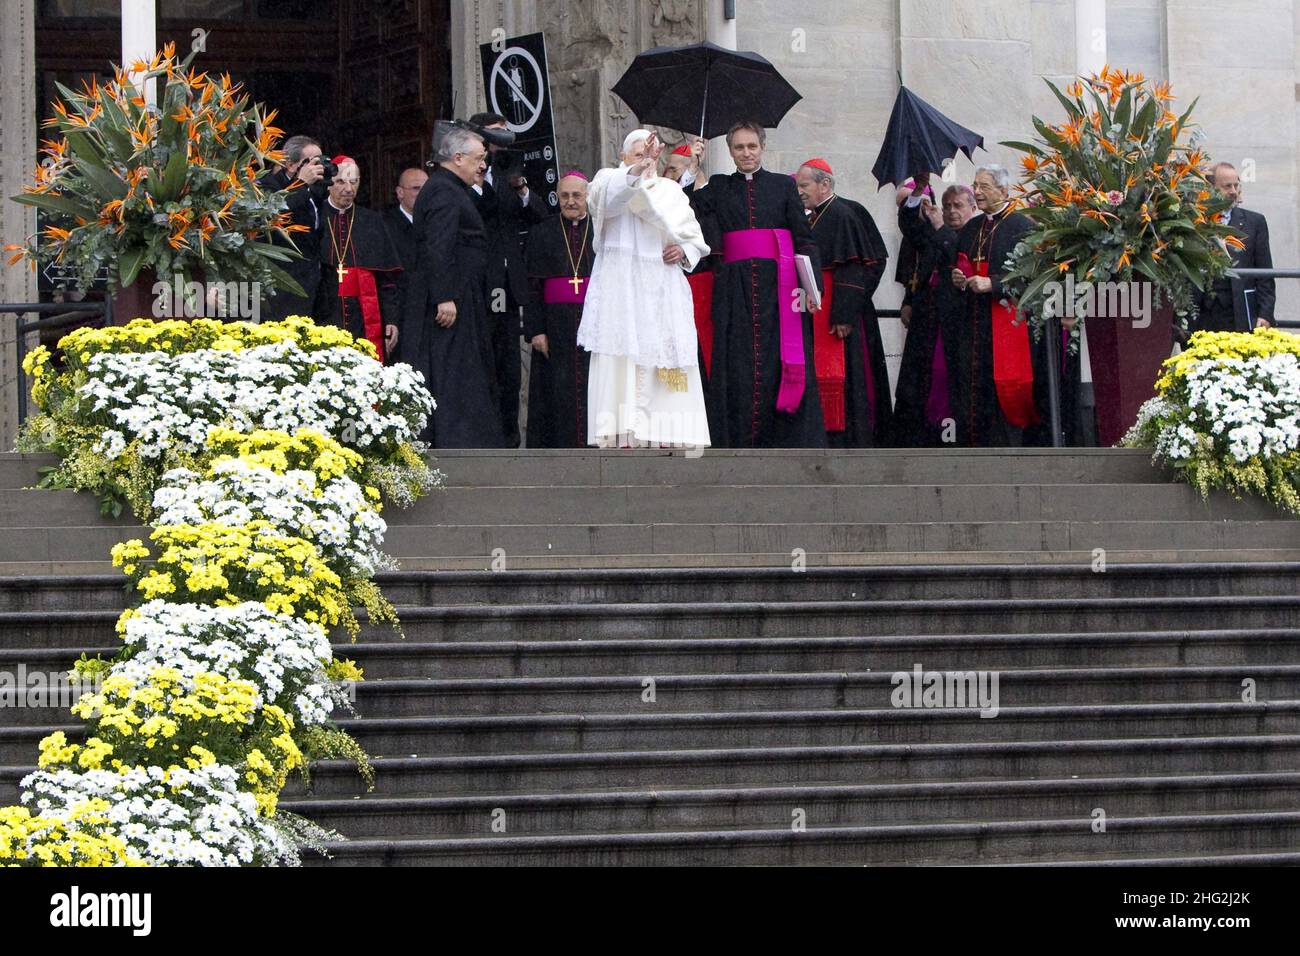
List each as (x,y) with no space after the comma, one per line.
(704,88)
(919,139)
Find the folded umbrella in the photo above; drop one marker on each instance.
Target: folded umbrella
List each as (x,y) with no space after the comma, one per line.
(919,139)
(704,87)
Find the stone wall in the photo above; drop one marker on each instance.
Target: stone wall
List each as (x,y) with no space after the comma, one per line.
(17,150)
(1240,60)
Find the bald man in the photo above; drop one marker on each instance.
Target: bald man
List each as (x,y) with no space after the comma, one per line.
(399,218)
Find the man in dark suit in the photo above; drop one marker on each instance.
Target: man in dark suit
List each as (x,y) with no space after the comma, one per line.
(507,208)
(303,171)
(1238,305)
(399,220)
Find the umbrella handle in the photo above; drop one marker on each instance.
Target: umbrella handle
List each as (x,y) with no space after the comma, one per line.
(708,65)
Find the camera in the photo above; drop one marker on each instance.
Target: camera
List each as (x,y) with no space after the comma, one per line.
(492,137)
(328,169)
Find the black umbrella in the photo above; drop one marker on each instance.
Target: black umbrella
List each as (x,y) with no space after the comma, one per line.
(919,139)
(704,87)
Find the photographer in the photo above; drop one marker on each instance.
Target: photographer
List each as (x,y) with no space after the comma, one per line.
(303,169)
(508,208)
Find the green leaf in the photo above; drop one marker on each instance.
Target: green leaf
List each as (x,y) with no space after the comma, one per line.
(1024,147)
(1145,118)
(279,253)
(61,204)
(173,180)
(129,264)
(1124,111)
(106,184)
(1070,106)
(283,281)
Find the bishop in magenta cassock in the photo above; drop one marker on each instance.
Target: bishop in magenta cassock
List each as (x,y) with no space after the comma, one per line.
(762,385)
(361,267)
(559,258)
(923,404)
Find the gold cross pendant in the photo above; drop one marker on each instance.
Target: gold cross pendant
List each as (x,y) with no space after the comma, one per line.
(577,284)
(342,272)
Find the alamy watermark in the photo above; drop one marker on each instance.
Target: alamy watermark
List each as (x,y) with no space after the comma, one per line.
(1099,300)
(35,688)
(221,300)
(919,688)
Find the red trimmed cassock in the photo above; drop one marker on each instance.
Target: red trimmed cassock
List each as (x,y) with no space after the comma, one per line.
(994,383)
(359,282)
(762,388)
(852,377)
(557,388)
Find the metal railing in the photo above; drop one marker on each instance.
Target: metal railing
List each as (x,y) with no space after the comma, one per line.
(54,316)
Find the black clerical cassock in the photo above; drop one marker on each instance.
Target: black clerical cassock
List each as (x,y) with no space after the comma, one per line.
(852,378)
(762,387)
(994,391)
(358,286)
(559,257)
(457,362)
(923,403)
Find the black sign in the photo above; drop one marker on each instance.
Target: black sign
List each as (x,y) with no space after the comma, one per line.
(518,87)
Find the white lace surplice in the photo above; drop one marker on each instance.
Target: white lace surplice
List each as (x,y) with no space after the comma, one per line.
(637,306)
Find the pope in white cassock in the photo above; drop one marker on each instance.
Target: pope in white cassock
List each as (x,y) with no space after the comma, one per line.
(638,322)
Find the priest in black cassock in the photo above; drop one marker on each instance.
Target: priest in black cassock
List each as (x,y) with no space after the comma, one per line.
(852,378)
(923,404)
(906,267)
(559,257)
(448,331)
(762,386)
(358,287)
(998,363)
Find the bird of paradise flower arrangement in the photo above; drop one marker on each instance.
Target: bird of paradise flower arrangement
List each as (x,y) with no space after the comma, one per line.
(170,189)
(1118,193)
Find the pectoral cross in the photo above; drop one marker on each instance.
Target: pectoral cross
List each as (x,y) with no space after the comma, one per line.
(577,284)
(342,272)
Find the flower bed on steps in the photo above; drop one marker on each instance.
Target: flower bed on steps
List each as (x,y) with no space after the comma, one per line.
(261,455)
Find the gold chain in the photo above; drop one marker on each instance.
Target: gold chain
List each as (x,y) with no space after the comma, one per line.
(346,243)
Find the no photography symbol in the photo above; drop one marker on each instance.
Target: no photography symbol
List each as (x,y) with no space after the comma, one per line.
(518,105)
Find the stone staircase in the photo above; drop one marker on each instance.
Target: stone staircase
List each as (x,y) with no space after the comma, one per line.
(691,661)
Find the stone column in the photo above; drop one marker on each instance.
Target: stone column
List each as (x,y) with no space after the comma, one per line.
(17,222)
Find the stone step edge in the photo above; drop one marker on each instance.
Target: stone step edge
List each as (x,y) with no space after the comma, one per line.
(731,644)
(784,834)
(26,570)
(633,575)
(723,795)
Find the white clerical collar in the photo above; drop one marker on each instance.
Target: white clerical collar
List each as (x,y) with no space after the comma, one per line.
(997,212)
(751,175)
(330,200)
(409,218)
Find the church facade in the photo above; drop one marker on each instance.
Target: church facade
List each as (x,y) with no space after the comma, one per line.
(378,73)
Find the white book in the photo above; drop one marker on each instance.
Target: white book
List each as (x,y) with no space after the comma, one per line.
(808,282)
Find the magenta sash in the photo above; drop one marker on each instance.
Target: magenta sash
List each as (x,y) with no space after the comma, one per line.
(558,290)
(776,244)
